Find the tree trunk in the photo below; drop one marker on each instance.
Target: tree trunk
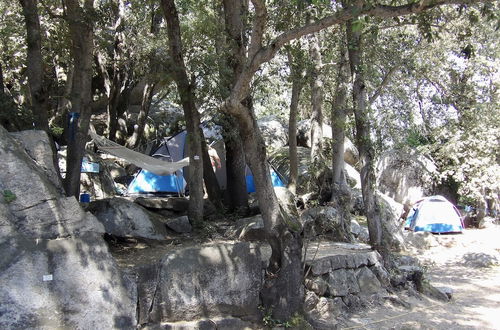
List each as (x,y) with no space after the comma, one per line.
(237,195)
(211,183)
(232,49)
(364,143)
(35,67)
(339,113)
(82,36)
(316,98)
(147,96)
(296,73)
(186,92)
(283,288)
(7,107)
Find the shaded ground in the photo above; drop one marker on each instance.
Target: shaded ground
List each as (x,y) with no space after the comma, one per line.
(458,262)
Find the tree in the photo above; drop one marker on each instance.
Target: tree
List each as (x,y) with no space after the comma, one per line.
(35,67)
(296,64)
(79,19)
(186,93)
(283,234)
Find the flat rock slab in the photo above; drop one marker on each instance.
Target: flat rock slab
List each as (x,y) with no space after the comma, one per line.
(177,204)
(324,257)
(202,282)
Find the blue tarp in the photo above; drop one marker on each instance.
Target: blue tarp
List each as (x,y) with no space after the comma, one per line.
(277,182)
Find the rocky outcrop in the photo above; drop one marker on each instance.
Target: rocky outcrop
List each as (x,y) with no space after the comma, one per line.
(56,270)
(211,281)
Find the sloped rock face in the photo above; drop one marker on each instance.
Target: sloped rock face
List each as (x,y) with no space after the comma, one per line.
(124,218)
(55,268)
(202,282)
(37,145)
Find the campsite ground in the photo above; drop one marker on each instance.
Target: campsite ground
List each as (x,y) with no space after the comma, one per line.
(461,263)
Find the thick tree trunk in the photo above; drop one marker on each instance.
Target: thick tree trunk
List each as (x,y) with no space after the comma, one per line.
(364,143)
(231,47)
(82,36)
(237,196)
(296,73)
(283,289)
(35,67)
(186,92)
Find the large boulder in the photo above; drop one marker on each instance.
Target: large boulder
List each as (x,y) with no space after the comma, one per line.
(274,132)
(324,221)
(125,218)
(405,177)
(39,207)
(351,154)
(56,270)
(202,282)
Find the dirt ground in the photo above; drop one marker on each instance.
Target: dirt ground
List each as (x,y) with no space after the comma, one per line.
(465,263)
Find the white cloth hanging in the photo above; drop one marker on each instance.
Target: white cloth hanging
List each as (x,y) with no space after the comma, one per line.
(154,165)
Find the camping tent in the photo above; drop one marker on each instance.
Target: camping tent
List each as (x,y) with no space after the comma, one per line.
(434,214)
(173,149)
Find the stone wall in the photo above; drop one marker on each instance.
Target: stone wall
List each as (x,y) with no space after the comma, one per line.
(340,276)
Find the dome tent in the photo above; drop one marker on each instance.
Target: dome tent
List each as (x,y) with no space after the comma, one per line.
(434,214)
(173,149)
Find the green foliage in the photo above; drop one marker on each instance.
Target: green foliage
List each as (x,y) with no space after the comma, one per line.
(9,196)
(56,131)
(296,321)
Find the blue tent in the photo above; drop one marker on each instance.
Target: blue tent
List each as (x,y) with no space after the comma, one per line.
(173,149)
(434,214)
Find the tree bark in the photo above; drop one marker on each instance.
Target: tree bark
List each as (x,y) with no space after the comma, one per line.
(211,183)
(364,143)
(316,98)
(186,92)
(283,289)
(82,37)
(296,74)
(233,56)
(339,113)
(35,67)
(147,96)
(237,195)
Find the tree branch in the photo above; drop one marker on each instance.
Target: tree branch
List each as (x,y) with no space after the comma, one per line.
(259,25)
(265,54)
